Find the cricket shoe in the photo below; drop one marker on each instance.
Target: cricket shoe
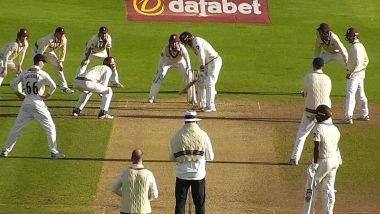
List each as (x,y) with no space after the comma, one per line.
(67,90)
(150,100)
(3,153)
(209,109)
(77,112)
(118,85)
(364,118)
(105,116)
(57,156)
(347,121)
(293,162)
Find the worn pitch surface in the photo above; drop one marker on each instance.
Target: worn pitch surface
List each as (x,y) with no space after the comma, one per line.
(246,176)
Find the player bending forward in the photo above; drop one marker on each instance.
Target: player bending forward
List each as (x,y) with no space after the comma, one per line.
(53,47)
(210,64)
(328,46)
(13,55)
(173,55)
(99,47)
(95,80)
(326,162)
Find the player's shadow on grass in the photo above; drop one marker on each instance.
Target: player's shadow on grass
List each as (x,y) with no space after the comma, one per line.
(148,161)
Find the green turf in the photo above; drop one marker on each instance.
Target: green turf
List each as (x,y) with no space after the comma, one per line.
(259,62)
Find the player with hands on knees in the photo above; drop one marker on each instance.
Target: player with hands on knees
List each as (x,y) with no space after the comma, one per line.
(33,106)
(99,47)
(173,55)
(53,47)
(328,46)
(322,172)
(95,80)
(15,51)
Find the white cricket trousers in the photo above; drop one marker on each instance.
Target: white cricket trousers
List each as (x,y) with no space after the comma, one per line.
(208,91)
(163,67)
(355,91)
(325,174)
(306,125)
(40,112)
(52,58)
(88,87)
(326,56)
(11,66)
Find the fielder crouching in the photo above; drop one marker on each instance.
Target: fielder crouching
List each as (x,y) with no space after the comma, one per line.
(173,55)
(95,80)
(326,162)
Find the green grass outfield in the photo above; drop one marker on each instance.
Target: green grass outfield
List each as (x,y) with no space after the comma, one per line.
(257,59)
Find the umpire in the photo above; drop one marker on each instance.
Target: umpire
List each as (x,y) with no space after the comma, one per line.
(190,148)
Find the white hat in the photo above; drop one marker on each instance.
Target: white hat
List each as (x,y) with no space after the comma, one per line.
(191,116)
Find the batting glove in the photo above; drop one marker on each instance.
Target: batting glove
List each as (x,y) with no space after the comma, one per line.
(313,167)
(201,76)
(202,69)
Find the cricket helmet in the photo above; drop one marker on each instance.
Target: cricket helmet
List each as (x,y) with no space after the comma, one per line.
(186,37)
(60,30)
(351,33)
(103,30)
(323,113)
(22,33)
(174,42)
(109,61)
(173,38)
(324,31)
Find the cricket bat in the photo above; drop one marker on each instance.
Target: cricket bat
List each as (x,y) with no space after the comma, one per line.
(309,195)
(184,90)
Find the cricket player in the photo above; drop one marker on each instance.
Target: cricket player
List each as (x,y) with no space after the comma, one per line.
(210,64)
(325,165)
(33,106)
(99,47)
(356,66)
(95,80)
(15,50)
(316,91)
(53,47)
(328,46)
(173,55)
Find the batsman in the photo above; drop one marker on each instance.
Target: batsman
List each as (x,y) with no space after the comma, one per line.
(210,64)
(325,165)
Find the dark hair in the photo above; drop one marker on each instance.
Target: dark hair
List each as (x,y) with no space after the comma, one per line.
(318,63)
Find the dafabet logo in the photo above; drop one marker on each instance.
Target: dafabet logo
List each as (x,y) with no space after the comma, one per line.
(145,7)
(246,11)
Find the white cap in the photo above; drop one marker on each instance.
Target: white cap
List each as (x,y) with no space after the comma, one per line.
(191,116)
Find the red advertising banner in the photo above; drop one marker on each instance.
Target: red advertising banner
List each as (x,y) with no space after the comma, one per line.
(228,11)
